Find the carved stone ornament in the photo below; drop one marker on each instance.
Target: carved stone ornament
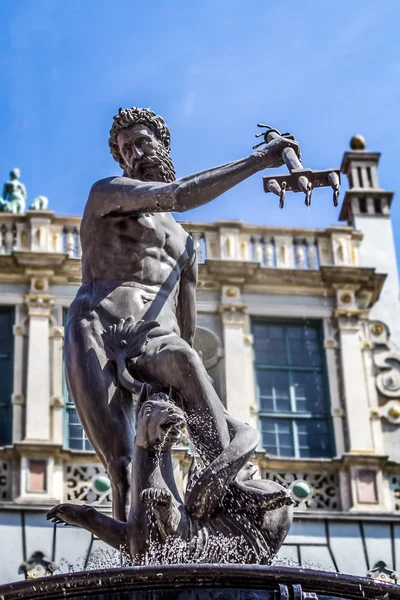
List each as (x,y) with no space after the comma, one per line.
(388,381)
(38,565)
(382,572)
(39,203)
(209,344)
(390,411)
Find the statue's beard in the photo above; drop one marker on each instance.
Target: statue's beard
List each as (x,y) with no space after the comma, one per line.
(154,168)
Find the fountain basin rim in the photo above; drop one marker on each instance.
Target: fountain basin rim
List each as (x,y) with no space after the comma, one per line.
(192,576)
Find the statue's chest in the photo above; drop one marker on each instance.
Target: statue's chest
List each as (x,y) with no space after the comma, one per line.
(14,189)
(154,229)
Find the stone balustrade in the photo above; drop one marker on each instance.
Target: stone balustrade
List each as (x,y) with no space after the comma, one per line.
(276,247)
(88,483)
(271,247)
(323,486)
(40,231)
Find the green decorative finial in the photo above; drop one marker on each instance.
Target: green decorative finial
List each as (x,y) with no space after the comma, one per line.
(102,483)
(301,489)
(357,142)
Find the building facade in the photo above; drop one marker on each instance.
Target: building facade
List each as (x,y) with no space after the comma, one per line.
(299,330)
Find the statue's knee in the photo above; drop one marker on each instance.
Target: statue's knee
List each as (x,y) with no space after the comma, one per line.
(188,357)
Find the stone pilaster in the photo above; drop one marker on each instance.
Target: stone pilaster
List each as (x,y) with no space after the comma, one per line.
(57,400)
(238,363)
(18,400)
(354,381)
(37,425)
(331,355)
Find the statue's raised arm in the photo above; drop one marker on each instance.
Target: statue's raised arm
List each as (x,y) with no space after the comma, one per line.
(140,142)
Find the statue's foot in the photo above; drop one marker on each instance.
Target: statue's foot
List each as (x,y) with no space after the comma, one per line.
(67,513)
(156,496)
(109,530)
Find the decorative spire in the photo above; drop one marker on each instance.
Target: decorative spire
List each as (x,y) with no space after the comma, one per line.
(364,197)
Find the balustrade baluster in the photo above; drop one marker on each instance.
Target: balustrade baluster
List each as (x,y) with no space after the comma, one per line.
(78,244)
(258,249)
(299,254)
(312,257)
(245,249)
(197,236)
(9,239)
(69,242)
(269,252)
(2,239)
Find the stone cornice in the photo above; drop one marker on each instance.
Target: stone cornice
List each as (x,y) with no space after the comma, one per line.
(359,156)
(364,279)
(275,280)
(363,193)
(39,259)
(303,232)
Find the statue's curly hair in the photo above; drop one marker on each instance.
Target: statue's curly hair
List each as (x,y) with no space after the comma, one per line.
(127,117)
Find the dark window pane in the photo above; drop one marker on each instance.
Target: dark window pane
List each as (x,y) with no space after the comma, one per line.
(270,345)
(296,389)
(5,428)
(6,373)
(277,436)
(313,439)
(303,346)
(295,332)
(77,439)
(274,391)
(309,392)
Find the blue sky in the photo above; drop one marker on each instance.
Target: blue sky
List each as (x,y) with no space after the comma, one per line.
(213,69)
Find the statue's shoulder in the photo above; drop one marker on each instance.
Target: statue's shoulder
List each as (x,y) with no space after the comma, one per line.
(113,185)
(102,185)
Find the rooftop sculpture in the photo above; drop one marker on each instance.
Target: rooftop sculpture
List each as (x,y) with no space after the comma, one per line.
(15,196)
(131,368)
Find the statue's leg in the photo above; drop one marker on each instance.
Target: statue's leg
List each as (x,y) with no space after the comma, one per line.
(104,408)
(109,530)
(206,493)
(171,362)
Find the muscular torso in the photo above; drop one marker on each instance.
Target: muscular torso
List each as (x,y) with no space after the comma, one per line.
(13,190)
(147,248)
(132,265)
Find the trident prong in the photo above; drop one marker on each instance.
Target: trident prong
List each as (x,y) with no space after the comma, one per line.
(307,201)
(334,182)
(299,178)
(282,195)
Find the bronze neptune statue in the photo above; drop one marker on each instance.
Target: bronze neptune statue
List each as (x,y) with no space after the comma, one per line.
(130,359)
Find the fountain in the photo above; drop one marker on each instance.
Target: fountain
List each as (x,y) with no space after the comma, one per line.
(137,383)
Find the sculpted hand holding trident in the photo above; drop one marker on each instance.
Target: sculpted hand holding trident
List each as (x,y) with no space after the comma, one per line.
(139,262)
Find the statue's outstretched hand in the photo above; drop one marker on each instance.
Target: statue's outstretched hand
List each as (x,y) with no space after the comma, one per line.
(271,154)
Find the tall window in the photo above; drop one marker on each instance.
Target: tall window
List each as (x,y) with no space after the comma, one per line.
(6,373)
(75,436)
(294,407)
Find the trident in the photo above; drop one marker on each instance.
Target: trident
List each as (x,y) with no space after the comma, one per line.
(298,179)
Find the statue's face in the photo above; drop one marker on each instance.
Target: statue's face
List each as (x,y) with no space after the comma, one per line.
(140,149)
(143,142)
(144,155)
(15,174)
(159,422)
